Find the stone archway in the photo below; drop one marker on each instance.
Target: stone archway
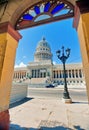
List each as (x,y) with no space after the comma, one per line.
(81,14)
(9,16)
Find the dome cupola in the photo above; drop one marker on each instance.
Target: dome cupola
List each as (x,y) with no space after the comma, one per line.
(43,51)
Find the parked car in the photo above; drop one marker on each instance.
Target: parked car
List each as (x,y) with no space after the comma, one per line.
(50,86)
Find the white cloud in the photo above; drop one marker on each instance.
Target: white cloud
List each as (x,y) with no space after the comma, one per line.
(54,62)
(20,65)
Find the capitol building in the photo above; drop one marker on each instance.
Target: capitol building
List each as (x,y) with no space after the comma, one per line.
(42,71)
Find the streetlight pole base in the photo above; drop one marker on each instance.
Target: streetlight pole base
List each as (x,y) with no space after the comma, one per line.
(67,101)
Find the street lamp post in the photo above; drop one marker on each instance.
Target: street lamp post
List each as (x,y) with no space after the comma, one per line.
(63,58)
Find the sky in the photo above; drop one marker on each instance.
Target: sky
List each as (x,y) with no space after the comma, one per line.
(57,34)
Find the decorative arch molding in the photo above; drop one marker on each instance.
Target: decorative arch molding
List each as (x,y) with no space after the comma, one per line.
(33,13)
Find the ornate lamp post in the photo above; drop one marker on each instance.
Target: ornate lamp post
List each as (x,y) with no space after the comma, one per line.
(63,58)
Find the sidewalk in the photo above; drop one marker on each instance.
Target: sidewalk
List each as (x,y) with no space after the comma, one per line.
(49,114)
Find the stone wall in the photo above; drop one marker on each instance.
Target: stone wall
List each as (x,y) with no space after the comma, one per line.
(18,92)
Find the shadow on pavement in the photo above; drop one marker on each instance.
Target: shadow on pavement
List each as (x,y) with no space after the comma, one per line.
(20,102)
(80,102)
(17,127)
(78,128)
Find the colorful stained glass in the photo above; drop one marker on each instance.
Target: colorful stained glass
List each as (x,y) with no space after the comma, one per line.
(42,17)
(37,9)
(44,12)
(62,12)
(42,8)
(27,17)
(32,13)
(47,6)
(57,8)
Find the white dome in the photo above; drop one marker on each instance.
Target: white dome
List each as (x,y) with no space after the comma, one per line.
(43,51)
(43,43)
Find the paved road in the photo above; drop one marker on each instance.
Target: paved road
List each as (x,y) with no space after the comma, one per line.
(76,94)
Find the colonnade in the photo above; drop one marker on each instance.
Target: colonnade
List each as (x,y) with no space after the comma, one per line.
(19,75)
(34,74)
(38,73)
(57,74)
(74,73)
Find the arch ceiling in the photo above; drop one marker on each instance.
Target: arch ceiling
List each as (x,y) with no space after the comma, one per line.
(43,12)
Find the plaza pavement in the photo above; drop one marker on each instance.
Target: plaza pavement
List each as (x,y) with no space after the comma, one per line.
(49,114)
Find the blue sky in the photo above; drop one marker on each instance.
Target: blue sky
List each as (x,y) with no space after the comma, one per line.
(57,34)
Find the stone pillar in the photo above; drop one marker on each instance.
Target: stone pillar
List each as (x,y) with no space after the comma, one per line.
(36,73)
(71,74)
(62,73)
(68,73)
(82,73)
(17,75)
(8,43)
(81,23)
(33,73)
(58,73)
(55,73)
(78,73)
(74,73)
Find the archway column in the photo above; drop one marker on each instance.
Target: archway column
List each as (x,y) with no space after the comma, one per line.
(81,23)
(8,43)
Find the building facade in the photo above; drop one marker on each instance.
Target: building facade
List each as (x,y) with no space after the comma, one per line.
(42,70)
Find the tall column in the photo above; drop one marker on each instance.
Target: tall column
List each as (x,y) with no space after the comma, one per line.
(8,43)
(36,73)
(68,73)
(33,73)
(81,23)
(74,73)
(82,73)
(71,73)
(56,74)
(18,75)
(78,73)
(60,73)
